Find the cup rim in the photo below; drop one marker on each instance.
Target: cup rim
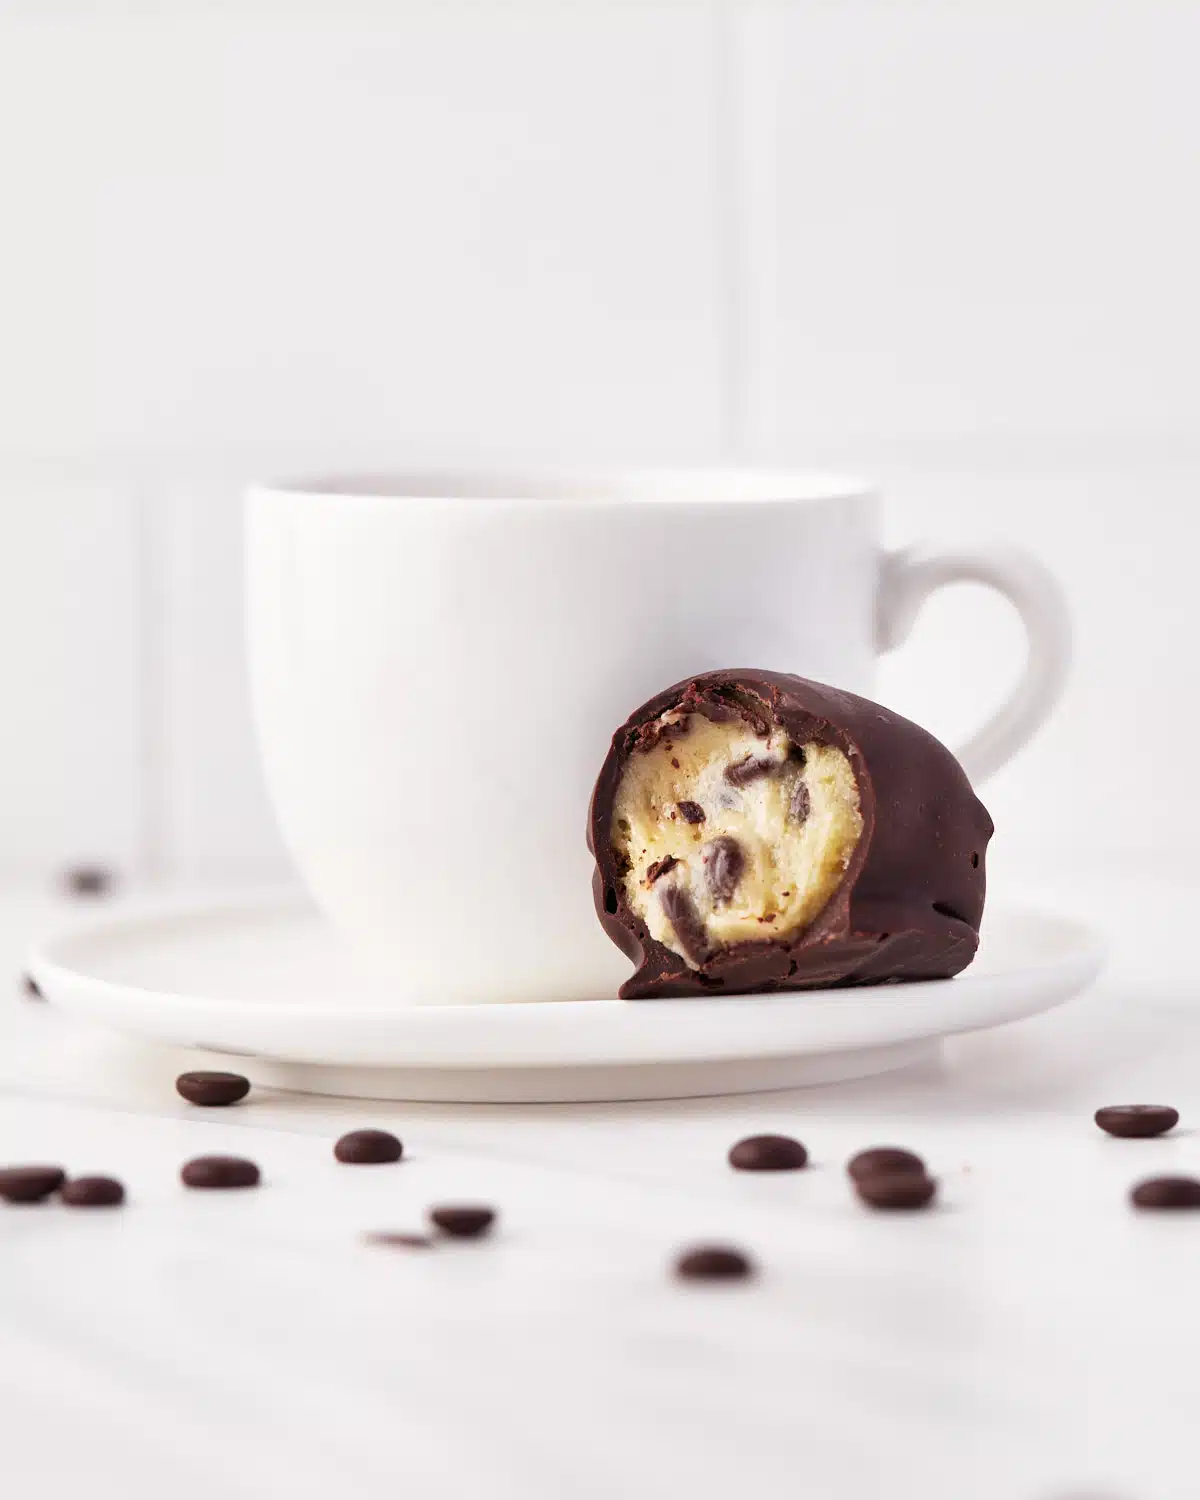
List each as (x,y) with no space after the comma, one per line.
(748,485)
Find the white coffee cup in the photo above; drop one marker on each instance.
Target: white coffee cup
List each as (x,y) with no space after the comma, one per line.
(439,662)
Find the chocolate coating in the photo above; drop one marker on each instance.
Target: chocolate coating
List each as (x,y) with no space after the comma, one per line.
(911,900)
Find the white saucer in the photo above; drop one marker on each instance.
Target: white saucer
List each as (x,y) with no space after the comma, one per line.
(272,983)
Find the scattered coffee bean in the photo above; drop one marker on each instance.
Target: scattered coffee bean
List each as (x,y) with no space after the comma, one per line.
(690,812)
(724,864)
(212,1089)
(88,880)
(399,1241)
(768,1153)
(463,1221)
(29,1184)
(660,867)
(750,768)
(713,1263)
(896,1190)
(31,988)
(890,1159)
(220,1172)
(92,1192)
(690,933)
(1137,1121)
(1167,1192)
(801,804)
(364,1148)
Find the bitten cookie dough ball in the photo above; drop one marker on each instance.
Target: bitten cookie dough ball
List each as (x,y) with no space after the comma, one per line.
(721,832)
(756,831)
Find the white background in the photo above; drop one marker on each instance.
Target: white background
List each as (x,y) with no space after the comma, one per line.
(953,246)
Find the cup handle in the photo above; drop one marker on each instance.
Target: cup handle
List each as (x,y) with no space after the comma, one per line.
(907,578)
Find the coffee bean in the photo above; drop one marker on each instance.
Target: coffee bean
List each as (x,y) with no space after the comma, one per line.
(389,1238)
(690,933)
(768,1153)
(212,1089)
(463,1221)
(889,1159)
(29,1184)
(801,804)
(1167,1192)
(690,812)
(31,988)
(750,768)
(713,1263)
(92,1192)
(1137,1121)
(220,1172)
(896,1190)
(88,880)
(660,867)
(724,864)
(368,1148)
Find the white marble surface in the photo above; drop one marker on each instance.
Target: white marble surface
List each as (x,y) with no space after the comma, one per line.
(1031,1340)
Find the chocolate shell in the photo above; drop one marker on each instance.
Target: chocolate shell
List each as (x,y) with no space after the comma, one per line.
(910,901)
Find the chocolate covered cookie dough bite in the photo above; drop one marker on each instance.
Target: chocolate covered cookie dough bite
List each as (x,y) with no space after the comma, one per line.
(757,831)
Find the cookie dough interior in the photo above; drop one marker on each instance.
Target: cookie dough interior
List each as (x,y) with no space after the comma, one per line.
(727,836)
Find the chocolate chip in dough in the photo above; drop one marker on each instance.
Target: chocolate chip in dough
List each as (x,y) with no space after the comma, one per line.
(768,1153)
(220,1172)
(660,867)
(368,1148)
(713,1263)
(1137,1121)
(92,1192)
(463,1221)
(896,1190)
(1167,1192)
(30,1184)
(724,864)
(801,804)
(213,1090)
(889,1159)
(690,812)
(750,768)
(680,910)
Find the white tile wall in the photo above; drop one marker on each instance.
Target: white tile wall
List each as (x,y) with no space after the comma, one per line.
(72,621)
(212,815)
(1111,775)
(975,219)
(352,226)
(951,245)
